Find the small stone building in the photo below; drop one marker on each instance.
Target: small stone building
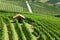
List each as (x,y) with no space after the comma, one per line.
(19,17)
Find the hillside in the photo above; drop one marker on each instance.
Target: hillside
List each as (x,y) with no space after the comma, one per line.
(34,27)
(53,1)
(21,6)
(10,7)
(40,24)
(20,3)
(42,8)
(46,1)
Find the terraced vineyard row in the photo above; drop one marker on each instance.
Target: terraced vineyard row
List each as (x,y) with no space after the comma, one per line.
(42,8)
(20,6)
(40,27)
(13,5)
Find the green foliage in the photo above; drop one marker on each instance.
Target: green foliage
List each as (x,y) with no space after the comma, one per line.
(44,27)
(4,31)
(10,7)
(12,30)
(18,5)
(44,8)
(35,26)
(20,31)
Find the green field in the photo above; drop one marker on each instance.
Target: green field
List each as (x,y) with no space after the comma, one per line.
(44,8)
(37,7)
(41,24)
(19,3)
(46,1)
(34,27)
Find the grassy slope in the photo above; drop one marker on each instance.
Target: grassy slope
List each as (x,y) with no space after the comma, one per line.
(20,3)
(48,1)
(45,26)
(53,1)
(13,5)
(42,8)
(10,7)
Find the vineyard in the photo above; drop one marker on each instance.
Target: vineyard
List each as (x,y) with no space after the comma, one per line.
(42,8)
(20,6)
(41,24)
(46,1)
(34,27)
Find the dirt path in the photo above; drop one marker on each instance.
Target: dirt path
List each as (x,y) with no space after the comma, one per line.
(29,8)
